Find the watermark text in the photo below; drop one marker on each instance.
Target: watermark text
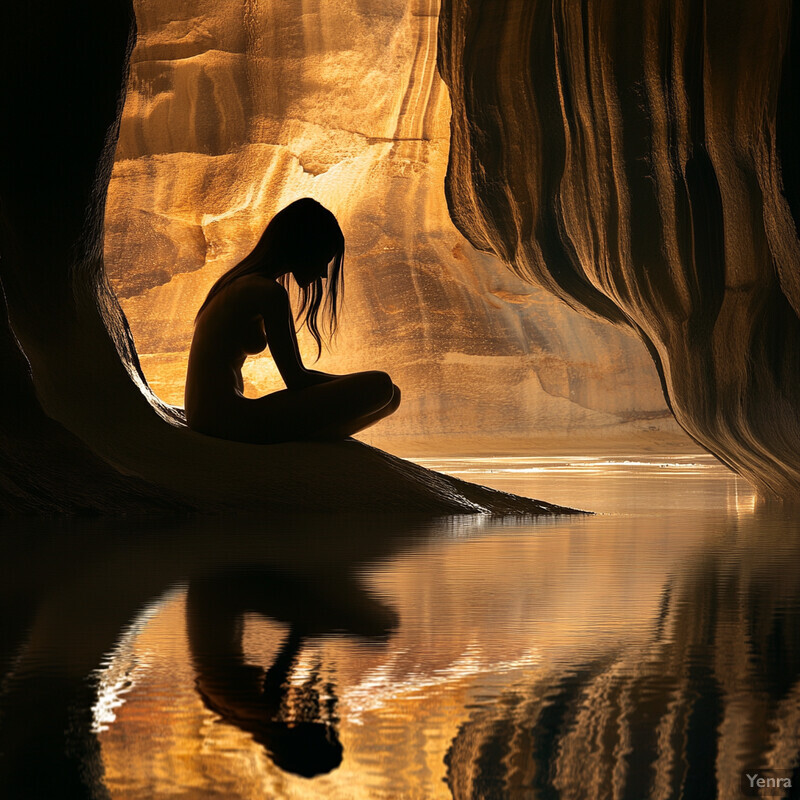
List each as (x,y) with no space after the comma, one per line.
(766,782)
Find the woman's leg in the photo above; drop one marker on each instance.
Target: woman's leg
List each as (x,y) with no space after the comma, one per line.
(332,410)
(356,425)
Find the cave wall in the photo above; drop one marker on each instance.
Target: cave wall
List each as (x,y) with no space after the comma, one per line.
(639,162)
(236,108)
(50,225)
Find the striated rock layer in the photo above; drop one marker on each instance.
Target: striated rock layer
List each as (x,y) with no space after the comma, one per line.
(235,109)
(639,161)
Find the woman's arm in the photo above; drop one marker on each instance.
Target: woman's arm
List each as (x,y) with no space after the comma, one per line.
(282,343)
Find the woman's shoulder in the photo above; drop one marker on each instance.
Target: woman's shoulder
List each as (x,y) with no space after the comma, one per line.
(247,295)
(258,289)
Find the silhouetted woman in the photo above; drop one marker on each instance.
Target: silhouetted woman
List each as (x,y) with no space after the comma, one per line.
(248,309)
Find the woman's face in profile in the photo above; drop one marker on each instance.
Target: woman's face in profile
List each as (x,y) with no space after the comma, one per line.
(310,268)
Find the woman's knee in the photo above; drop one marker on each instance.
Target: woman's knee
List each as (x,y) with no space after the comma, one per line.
(378,389)
(394,403)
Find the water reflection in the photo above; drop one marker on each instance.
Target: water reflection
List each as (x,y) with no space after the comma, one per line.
(713,692)
(69,590)
(653,653)
(297,727)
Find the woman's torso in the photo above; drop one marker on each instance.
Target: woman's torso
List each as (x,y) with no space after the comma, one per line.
(227,331)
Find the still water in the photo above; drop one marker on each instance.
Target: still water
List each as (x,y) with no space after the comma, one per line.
(650,650)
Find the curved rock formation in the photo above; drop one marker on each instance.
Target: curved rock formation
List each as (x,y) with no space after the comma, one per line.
(63,110)
(229,116)
(640,161)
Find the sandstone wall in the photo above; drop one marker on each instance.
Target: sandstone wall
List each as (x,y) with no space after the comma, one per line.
(639,160)
(235,109)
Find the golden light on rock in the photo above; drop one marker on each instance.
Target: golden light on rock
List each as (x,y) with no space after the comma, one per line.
(233,111)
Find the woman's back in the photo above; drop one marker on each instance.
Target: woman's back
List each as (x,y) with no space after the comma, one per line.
(227,330)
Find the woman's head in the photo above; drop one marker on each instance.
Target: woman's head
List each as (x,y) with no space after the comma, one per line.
(303,240)
(309,243)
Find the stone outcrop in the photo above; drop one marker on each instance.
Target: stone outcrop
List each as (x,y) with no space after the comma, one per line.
(111,433)
(640,162)
(233,110)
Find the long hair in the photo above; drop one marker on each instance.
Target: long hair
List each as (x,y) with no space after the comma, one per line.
(303,230)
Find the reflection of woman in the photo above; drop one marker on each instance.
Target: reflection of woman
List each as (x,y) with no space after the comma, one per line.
(296,728)
(248,309)
(296,724)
